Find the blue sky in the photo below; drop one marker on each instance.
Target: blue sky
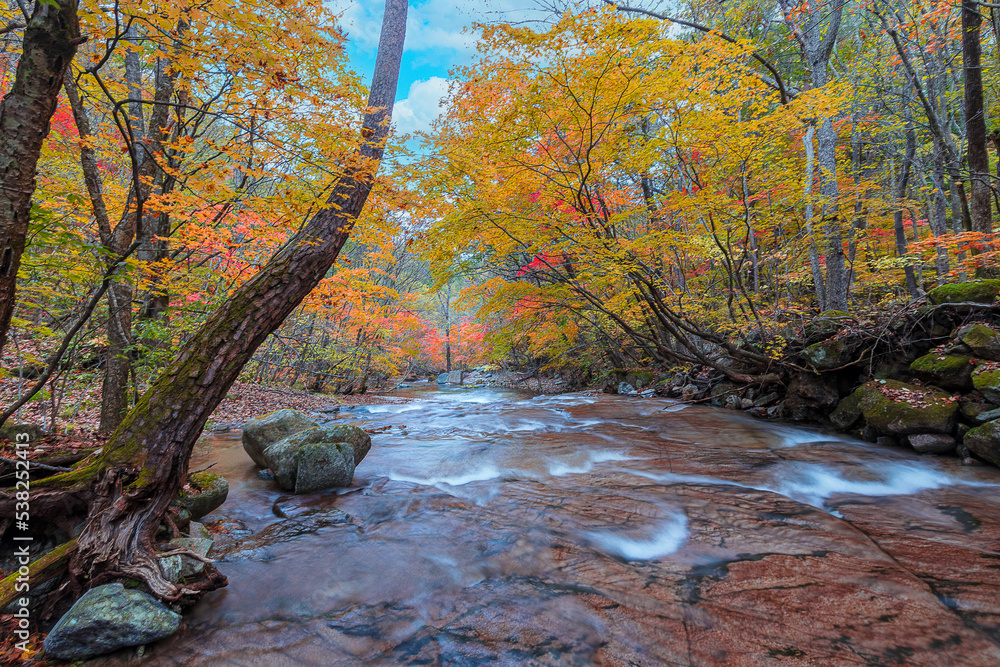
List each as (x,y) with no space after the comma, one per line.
(438,38)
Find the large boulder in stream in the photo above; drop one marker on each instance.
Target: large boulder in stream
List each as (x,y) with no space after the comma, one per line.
(261,433)
(318,458)
(106,619)
(897,408)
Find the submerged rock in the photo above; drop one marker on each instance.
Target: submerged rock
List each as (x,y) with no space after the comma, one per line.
(106,619)
(896,408)
(325,456)
(261,433)
(981,291)
(206,493)
(950,371)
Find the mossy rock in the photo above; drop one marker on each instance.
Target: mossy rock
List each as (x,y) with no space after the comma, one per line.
(209,491)
(897,408)
(982,340)
(848,412)
(285,458)
(262,432)
(986,379)
(980,291)
(972,406)
(828,354)
(984,441)
(823,326)
(947,371)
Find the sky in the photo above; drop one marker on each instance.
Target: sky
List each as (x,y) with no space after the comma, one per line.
(439,37)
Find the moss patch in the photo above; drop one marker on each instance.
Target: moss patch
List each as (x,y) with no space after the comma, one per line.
(848,412)
(897,408)
(981,291)
(984,441)
(949,371)
(986,378)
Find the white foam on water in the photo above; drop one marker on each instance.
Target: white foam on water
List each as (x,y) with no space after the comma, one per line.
(814,484)
(560,468)
(483,473)
(677,407)
(665,540)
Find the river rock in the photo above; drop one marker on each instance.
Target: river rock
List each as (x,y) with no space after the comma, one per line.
(828,354)
(984,441)
(199,545)
(897,408)
(261,433)
(986,380)
(324,465)
(972,405)
(624,388)
(455,377)
(848,412)
(946,371)
(980,291)
(932,443)
(982,340)
(106,619)
(283,458)
(205,493)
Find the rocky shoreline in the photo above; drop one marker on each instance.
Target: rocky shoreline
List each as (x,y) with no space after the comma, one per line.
(927,378)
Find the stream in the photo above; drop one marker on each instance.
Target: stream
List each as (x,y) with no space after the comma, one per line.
(489,526)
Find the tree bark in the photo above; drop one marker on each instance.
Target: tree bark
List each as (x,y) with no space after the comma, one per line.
(980,210)
(50,42)
(144,464)
(904,181)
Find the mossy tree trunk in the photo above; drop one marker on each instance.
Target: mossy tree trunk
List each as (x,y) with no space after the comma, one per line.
(50,42)
(143,466)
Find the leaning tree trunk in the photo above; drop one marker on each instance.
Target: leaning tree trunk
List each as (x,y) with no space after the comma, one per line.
(143,466)
(50,41)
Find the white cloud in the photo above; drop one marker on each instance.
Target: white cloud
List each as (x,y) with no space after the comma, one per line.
(424,102)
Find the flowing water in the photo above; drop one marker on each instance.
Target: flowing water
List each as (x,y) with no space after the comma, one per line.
(491,527)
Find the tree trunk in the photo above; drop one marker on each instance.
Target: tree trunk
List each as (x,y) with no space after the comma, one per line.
(980,210)
(50,41)
(144,464)
(904,181)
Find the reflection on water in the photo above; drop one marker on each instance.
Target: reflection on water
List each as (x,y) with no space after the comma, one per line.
(488,527)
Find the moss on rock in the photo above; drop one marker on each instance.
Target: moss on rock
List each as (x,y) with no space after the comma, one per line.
(948,371)
(897,408)
(207,493)
(828,354)
(848,412)
(986,379)
(984,441)
(980,291)
(982,340)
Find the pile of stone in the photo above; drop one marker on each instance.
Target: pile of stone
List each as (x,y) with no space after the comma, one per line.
(956,406)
